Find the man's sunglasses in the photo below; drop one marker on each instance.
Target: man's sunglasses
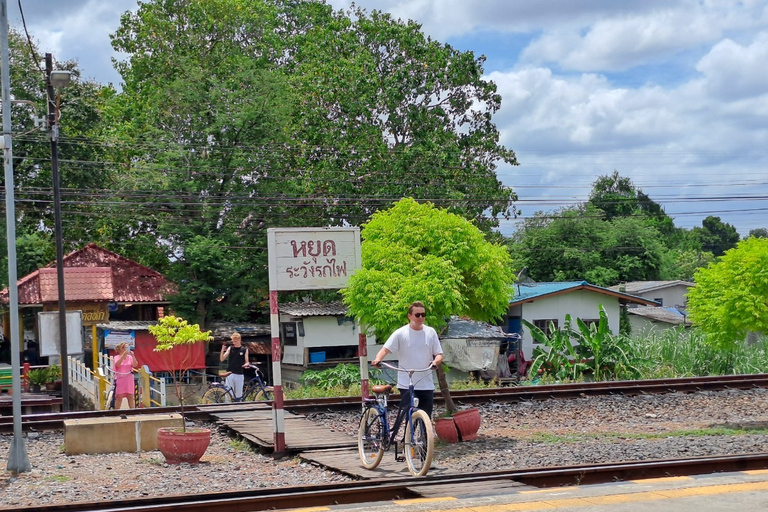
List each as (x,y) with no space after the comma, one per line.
(419,315)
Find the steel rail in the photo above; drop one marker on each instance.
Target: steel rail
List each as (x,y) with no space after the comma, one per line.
(53,421)
(405,488)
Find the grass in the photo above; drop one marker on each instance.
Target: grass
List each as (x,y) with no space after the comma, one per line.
(240,445)
(58,478)
(550,438)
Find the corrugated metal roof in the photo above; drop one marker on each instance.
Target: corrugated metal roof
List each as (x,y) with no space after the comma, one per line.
(336,308)
(647,286)
(531,291)
(462,328)
(223,330)
(131,282)
(660,314)
(80,284)
(127,325)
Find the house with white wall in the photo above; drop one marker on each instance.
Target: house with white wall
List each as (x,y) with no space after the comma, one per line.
(317,335)
(665,293)
(645,321)
(543,304)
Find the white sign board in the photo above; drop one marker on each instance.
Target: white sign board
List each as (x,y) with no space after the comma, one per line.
(113,338)
(312,258)
(48,325)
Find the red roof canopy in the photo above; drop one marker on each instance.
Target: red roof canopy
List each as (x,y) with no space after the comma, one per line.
(94,274)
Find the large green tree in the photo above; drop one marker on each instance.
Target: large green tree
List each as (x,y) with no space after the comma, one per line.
(86,168)
(730,297)
(578,243)
(245,115)
(716,236)
(416,251)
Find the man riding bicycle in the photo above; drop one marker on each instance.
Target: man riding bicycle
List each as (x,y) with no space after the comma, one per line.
(416,346)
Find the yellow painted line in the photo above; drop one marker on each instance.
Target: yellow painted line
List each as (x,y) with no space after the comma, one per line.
(311,509)
(756,472)
(662,479)
(549,489)
(424,500)
(591,501)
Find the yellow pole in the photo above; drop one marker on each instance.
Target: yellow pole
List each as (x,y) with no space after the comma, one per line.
(95,342)
(146,393)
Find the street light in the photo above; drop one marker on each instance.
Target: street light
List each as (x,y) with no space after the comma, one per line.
(58,79)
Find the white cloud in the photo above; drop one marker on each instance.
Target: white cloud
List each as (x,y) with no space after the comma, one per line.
(733,71)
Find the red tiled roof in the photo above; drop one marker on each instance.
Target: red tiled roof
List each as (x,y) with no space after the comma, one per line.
(131,282)
(80,284)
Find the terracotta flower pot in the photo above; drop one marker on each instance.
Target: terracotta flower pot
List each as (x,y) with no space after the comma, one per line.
(467,423)
(179,446)
(445,429)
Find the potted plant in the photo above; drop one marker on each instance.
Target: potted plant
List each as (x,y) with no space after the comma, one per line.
(54,377)
(456,425)
(37,378)
(175,338)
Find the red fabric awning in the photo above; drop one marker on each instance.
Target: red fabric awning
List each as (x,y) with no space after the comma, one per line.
(178,358)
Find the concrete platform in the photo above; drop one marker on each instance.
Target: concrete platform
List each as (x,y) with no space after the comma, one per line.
(117,434)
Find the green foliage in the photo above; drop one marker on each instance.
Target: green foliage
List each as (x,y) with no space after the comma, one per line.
(415,252)
(340,376)
(54,372)
(716,236)
(690,353)
(38,376)
(569,353)
(729,298)
(579,244)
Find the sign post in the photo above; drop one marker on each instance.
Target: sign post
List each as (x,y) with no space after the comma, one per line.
(304,259)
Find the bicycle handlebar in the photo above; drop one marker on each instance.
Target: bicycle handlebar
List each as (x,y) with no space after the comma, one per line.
(401,369)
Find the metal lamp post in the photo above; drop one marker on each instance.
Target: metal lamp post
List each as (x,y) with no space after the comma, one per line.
(58,79)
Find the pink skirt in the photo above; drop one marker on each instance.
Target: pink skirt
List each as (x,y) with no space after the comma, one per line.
(124,384)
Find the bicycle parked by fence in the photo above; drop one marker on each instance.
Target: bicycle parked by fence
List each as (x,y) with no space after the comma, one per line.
(255,390)
(375,435)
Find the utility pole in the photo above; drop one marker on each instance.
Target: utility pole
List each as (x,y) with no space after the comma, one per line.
(18,461)
(54,133)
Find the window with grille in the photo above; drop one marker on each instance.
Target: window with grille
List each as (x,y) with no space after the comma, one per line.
(546,325)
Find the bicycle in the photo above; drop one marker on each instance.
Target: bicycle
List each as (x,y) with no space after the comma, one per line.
(375,435)
(255,390)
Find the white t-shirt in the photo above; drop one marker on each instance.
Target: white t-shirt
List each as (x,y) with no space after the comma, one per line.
(414,349)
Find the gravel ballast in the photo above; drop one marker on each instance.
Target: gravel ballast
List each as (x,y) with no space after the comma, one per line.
(512,436)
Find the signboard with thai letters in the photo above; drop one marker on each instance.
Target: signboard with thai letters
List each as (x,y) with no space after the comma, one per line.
(312,258)
(94,313)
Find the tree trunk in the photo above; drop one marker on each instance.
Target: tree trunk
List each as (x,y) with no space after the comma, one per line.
(450,407)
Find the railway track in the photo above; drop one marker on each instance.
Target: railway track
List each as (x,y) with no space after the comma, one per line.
(405,488)
(55,421)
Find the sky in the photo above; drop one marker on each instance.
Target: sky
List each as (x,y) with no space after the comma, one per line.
(672,94)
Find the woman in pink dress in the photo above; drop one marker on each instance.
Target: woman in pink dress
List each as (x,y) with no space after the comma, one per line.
(123,362)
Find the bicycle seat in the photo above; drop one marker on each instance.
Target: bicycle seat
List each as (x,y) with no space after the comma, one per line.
(382,389)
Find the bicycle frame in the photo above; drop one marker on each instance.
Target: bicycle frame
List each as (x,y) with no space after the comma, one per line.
(254,384)
(391,433)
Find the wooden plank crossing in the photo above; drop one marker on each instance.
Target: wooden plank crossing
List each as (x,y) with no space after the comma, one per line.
(301,434)
(347,461)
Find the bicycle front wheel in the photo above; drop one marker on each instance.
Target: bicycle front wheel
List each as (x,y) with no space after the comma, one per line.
(110,400)
(370,438)
(419,443)
(215,396)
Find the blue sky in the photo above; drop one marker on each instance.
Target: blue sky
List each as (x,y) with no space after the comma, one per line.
(671,93)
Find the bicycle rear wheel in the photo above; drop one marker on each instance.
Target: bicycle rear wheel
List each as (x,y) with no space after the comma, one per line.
(215,395)
(370,436)
(419,443)
(260,395)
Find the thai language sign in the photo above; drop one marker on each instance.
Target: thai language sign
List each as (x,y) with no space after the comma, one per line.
(312,258)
